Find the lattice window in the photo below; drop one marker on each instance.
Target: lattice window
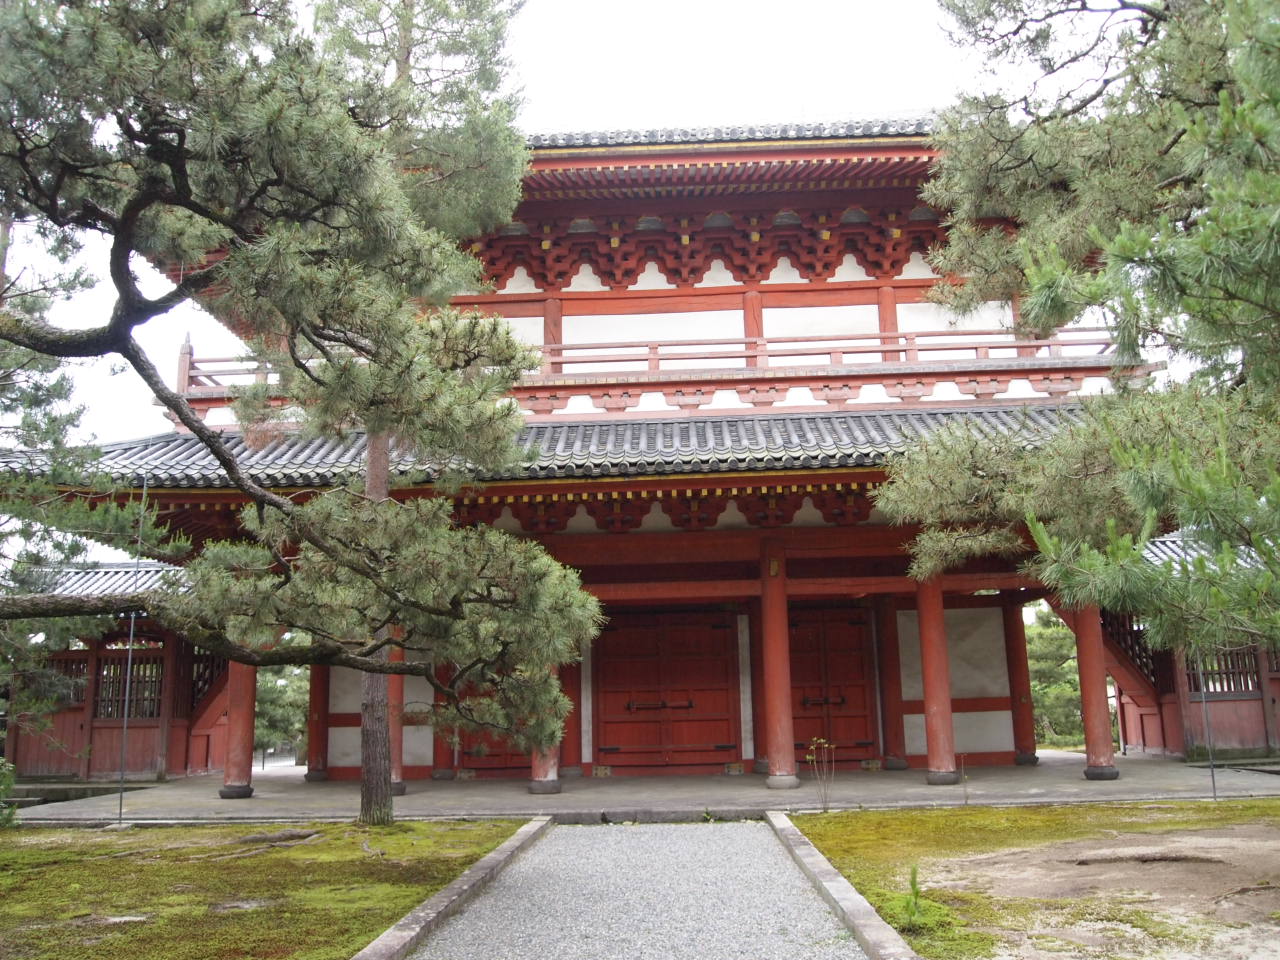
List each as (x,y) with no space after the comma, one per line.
(206,668)
(145,686)
(1227,673)
(75,668)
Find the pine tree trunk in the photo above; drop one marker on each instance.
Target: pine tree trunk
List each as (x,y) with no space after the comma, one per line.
(375,733)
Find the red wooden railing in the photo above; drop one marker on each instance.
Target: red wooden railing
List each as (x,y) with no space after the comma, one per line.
(212,376)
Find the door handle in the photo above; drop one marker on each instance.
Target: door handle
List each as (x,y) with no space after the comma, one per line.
(634,705)
(687,705)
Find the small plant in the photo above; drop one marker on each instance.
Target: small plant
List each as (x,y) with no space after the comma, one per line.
(708,816)
(821,758)
(912,916)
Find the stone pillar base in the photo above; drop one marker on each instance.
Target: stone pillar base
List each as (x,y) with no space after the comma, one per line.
(1025,759)
(782,781)
(397,788)
(544,786)
(1101,773)
(236,791)
(942,778)
(316,776)
(894,763)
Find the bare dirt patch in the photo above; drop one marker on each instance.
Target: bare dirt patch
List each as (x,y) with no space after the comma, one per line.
(1211,893)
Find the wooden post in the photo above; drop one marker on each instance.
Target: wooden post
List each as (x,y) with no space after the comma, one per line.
(395,722)
(1268,702)
(318,724)
(168,690)
(752,325)
(242,699)
(1092,664)
(776,650)
(895,741)
(935,668)
(92,675)
(1020,705)
(888,307)
(553,329)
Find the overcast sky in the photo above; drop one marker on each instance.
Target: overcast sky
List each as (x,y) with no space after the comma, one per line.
(602,65)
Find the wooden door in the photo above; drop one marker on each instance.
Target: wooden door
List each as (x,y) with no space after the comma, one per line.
(57,750)
(833,682)
(666,690)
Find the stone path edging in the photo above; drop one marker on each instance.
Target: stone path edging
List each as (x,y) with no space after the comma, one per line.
(878,940)
(407,934)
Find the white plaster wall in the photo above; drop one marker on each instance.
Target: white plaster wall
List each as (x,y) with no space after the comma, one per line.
(844,320)
(914,317)
(419,746)
(975,644)
(717,275)
(344,690)
(520,282)
(344,746)
(917,268)
(850,270)
(526,329)
(784,272)
(984,732)
(651,278)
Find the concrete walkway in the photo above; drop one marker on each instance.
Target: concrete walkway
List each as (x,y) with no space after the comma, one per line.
(650,891)
(281,793)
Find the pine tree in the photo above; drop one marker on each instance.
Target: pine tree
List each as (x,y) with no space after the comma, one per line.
(287,180)
(1140,172)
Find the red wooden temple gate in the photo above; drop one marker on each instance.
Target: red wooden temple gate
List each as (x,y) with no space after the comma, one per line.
(735,335)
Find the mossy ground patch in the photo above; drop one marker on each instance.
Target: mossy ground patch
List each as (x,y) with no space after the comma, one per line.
(958,848)
(200,893)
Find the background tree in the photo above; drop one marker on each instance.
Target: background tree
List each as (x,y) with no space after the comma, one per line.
(281,717)
(1055,682)
(1139,168)
(318,206)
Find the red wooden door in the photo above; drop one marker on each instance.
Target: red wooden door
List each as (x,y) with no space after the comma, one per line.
(666,690)
(486,751)
(833,682)
(57,750)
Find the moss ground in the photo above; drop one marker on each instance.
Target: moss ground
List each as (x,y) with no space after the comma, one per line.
(875,850)
(203,893)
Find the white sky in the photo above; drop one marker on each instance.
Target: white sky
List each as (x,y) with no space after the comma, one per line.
(601,64)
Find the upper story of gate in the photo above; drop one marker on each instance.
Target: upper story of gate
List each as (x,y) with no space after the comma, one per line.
(675,273)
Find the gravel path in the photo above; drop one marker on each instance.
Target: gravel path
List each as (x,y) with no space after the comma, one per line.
(722,891)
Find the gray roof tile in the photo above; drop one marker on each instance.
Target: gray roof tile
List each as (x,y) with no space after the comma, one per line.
(93,580)
(903,127)
(622,447)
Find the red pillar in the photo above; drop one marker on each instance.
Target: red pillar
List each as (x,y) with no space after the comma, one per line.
(545,771)
(395,722)
(318,724)
(779,735)
(1015,655)
(895,741)
(887,304)
(242,699)
(935,668)
(1092,664)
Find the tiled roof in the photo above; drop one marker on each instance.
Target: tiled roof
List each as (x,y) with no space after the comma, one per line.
(906,127)
(92,580)
(597,448)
